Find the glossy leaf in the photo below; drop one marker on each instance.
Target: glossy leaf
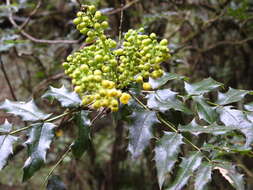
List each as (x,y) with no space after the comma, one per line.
(140,131)
(231,96)
(64,96)
(202,87)
(156,83)
(228,171)
(166,154)
(205,111)
(203,176)
(197,129)
(187,168)
(237,119)
(40,138)
(6,143)
(27,111)
(164,100)
(82,142)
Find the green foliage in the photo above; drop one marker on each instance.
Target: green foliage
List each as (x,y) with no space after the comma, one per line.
(6,142)
(65,97)
(40,138)
(27,111)
(82,142)
(187,167)
(166,153)
(140,131)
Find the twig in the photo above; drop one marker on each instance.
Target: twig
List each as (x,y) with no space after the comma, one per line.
(7,79)
(58,163)
(31,14)
(34,39)
(121,8)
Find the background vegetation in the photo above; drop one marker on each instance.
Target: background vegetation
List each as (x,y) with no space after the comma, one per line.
(206,37)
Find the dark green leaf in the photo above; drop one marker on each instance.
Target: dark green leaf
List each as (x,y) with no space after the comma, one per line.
(231,96)
(203,176)
(65,97)
(205,111)
(236,118)
(6,142)
(140,131)
(27,111)
(156,83)
(164,100)
(187,168)
(166,153)
(197,129)
(40,138)
(229,172)
(202,87)
(55,183)
(82,142)
(249,106)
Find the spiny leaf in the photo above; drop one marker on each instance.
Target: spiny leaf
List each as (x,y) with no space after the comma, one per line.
(231,96)
(166,153)
(205,111)
(202,87)
(65,97)
(236,118)
(27,111)
(40,138)
(197,129)
(187,168)
(156,83)
(164,100)
(55,183)
(249,106)
(228,171)
(6,142)
(82,142)
(140,131)
(203,176)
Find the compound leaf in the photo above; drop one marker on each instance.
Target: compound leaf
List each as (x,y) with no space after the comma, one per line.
(6,142)
(237,119)
(82,142)
(231,96)
(64,96)
(187,168)
(166,153)
(203,176)
(27,111)
(40,138)
(140,131)
(164,100)
(201,87)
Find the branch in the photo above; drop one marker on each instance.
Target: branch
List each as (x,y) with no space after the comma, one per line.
(30,37)
(31,14)
(122,8)
(7,79)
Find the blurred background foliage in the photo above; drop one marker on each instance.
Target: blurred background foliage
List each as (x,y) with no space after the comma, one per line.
(207,38)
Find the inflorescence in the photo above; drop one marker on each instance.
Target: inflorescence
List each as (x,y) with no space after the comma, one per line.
(101,71)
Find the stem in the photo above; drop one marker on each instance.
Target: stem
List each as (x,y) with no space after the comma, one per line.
(48,120)
(57,163)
